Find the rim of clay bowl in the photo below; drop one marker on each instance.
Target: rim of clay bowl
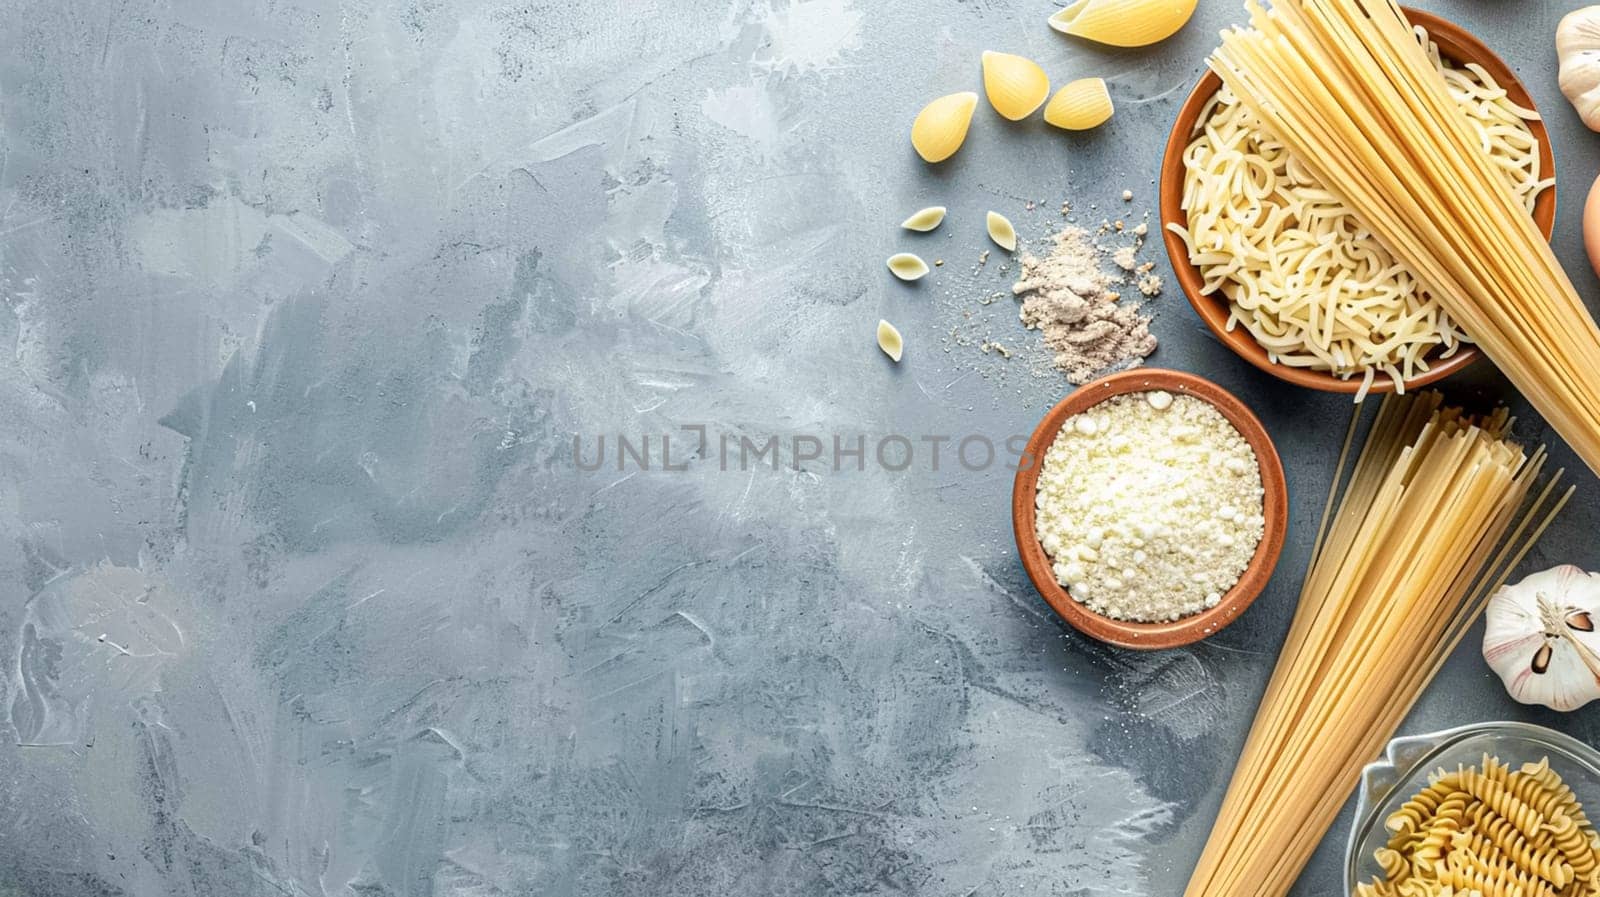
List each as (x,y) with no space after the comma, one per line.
(1455,44)
(1274,505)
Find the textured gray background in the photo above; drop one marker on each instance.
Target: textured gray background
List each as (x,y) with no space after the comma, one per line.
(304,303)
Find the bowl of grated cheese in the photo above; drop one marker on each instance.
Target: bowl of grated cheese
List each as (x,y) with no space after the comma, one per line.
(1149,508)
(1285,276)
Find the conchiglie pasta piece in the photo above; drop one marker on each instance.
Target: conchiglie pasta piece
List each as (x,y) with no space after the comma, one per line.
(907,266)
(941,126)
(1001,231)
(889,340)
(1016,85)
(1124,23)
(1080,105)
(924,220)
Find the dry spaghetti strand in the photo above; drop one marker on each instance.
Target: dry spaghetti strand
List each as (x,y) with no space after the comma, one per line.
(1345,87)
(1436,511)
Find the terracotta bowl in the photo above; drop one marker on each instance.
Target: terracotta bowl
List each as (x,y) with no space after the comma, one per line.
(1151,636)
(1456,45)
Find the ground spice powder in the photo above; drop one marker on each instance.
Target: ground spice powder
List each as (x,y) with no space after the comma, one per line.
(1070,301)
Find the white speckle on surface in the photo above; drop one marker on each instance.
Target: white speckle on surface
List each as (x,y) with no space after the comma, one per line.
(746,110)
(808,35)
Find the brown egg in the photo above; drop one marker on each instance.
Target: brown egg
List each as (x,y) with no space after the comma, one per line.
(1591,226)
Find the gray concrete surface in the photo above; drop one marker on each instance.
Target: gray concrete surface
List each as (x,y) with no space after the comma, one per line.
(306,594)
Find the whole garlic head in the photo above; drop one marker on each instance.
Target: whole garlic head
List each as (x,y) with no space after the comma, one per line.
(1540,638)
(1578,51)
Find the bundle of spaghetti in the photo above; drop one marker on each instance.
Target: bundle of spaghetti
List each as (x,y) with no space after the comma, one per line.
(1313,286)
(1345,87)
(1439,508)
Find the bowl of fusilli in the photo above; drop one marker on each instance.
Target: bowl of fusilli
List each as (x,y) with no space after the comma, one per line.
(1491,807)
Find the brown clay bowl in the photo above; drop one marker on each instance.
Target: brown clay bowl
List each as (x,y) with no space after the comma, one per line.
(1151,636)
(1455,44)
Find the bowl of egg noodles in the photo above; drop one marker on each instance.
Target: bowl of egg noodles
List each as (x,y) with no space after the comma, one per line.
(1283,272)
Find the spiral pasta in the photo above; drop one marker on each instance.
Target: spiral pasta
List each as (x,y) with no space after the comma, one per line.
(1489,831)
(1574,844)
(1546,777)
(1499,798)
(1414,813)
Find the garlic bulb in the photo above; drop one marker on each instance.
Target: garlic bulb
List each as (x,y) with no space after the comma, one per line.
(1540,638)
(1578,52)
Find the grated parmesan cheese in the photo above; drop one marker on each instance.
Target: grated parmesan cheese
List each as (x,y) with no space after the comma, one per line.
(1149,506)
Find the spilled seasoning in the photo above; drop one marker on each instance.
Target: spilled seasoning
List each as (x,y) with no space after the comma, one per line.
(1069,299)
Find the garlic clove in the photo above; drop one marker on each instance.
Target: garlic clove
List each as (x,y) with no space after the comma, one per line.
(925,220)
(1001,231)
(1541,659)
(1080,105)
(1578,53)
(1016,85)
(889,341)
(1124,23)
(908,266)
(1539,637)
(941,127)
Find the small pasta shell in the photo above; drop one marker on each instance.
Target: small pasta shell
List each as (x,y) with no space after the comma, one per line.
(1001,231)
(925,220)
(941,126)
(889,341)
(907,266)
(1124,23)
(1016,85)
(1080,105)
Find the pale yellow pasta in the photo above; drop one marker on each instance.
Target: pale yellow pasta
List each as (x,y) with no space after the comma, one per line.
(1467,832)
(1547,863)
(1499,798)
(1080,105)
(907,266)
(941,127)
(1414,813)
(1527,789)
(1001,231)
(1393,864)
(1547,778)
(1573,844)
(1124,23)
(1424,529)
(1490,880)
(1015,85)
(1376,888)
(1313,286)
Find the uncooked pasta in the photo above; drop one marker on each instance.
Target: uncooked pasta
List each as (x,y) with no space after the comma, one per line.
(1314,287)
(1492,830)
(1345,87)
(1436,513)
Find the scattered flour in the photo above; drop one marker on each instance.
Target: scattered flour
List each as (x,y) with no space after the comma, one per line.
(1069,299)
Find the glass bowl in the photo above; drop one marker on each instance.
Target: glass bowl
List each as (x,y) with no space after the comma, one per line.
(1390,782)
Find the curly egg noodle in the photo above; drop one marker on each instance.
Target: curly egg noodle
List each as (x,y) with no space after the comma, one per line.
(1314,287)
